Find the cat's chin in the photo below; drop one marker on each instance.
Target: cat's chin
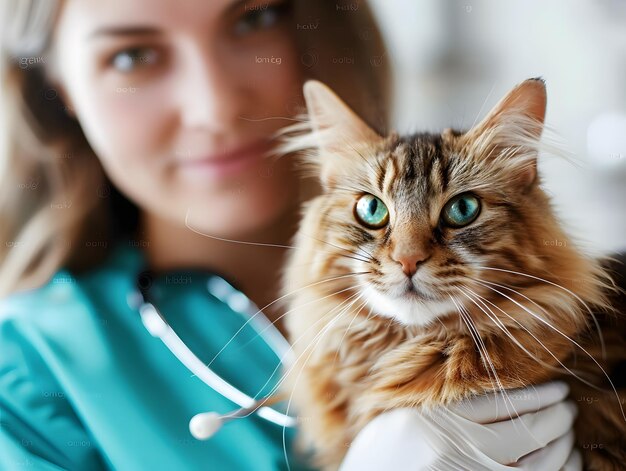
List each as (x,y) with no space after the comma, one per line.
(407,309)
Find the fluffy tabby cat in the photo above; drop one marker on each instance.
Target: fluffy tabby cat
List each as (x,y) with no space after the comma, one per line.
(419,242)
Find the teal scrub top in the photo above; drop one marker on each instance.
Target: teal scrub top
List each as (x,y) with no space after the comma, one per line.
(84,386)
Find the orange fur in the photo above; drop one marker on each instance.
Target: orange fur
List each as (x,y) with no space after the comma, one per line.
(354,363)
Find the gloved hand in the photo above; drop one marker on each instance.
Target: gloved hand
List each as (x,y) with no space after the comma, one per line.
(474,434)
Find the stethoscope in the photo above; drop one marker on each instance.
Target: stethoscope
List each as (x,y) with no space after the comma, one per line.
(204,425)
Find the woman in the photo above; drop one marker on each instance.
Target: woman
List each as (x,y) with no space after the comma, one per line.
(132,129)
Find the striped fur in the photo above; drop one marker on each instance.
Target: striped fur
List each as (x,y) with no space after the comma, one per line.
(364,346)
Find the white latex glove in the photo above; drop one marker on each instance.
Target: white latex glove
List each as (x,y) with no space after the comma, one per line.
(474,434)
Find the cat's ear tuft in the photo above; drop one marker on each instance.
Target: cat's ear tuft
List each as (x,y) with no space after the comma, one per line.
(338,134)
(512,129)
(337,125)
(525,106)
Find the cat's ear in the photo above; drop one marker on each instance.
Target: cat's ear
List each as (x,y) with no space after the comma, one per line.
(338,133)
(335,123)
(513,128)
(331,141)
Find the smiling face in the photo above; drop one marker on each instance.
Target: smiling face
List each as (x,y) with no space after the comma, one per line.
(426,216)
(162,88)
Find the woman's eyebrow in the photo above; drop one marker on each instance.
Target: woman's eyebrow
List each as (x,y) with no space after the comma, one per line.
(117,31)
(235,5)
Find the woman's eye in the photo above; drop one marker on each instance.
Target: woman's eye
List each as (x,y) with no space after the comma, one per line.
(461,210)
(260,17)
(371,212)
(129,59)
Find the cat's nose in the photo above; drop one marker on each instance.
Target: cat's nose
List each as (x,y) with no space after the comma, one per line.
(411,261)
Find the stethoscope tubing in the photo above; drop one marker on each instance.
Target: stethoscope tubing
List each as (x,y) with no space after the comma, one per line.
(158,327)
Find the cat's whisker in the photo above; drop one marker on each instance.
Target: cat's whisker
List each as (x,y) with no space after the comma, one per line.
(498,382)
(463,317)
(482,352)
(530,333)
(473,297)
(369,314)
(495,373)
(482,106)
(541,362)
(570,292)
(502,327)
(326,280)
(369,255)
(358,311)
(279,246)
(297,341)
(390,322)
(355,253)
(287,411)
(267,118)
(493,317)
(522,296)
(568,338)
(280,382)
(600,336)
(318,337)
(349,302)
(519,293)
(335,293)
(365,257)
(482,349)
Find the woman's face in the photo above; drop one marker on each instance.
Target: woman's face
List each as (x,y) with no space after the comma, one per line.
(161,88)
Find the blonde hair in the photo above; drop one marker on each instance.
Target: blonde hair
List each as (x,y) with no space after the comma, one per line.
(56,203)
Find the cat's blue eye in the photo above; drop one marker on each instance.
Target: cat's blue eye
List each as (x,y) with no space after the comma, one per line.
(371,212)
(461,210)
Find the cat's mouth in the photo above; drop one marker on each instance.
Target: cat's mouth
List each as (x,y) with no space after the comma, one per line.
(409,304)
(413,292)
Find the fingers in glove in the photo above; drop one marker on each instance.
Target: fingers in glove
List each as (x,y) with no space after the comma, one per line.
(550,458)
(394,440)
(574,462)
(496,406)
(509,440)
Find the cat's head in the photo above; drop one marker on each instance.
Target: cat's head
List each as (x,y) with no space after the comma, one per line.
(431,219)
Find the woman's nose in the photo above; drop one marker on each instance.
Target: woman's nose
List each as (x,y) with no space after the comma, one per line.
(209,93)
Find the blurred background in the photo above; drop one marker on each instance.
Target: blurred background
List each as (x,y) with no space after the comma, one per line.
(454,60)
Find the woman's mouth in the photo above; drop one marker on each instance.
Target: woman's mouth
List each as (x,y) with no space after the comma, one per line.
(225,163)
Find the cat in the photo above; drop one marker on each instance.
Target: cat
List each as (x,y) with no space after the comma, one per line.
(417,240)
